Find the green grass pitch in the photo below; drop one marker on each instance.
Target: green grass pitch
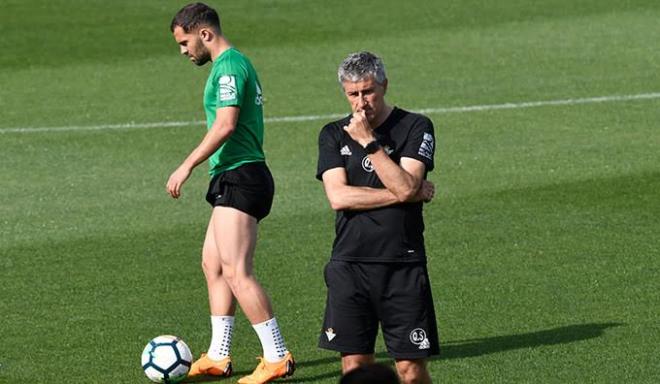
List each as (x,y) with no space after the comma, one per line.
(544,237)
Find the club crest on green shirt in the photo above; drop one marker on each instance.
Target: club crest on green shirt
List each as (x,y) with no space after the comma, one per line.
(227,87)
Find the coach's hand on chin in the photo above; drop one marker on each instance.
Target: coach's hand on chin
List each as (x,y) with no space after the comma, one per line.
(359,128)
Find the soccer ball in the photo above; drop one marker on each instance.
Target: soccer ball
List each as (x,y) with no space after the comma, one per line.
(166,359)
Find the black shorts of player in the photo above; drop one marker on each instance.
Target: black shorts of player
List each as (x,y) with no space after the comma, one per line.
(395,295)
(248,188)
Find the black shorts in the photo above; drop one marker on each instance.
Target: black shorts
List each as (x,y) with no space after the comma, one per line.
(248,188)
(396,295)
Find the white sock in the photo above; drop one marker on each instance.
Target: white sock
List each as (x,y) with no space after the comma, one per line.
(222,328)
(271,340)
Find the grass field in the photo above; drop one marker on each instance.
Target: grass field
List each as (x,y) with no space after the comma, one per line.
(544,238)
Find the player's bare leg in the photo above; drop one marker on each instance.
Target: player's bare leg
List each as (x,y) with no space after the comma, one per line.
(221,299)
(222,306)
(235,235)
(413,371)
(351,361)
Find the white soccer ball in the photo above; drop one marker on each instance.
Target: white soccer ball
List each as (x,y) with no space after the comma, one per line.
(166,359)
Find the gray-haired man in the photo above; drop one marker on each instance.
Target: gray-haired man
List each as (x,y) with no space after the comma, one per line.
(373,165)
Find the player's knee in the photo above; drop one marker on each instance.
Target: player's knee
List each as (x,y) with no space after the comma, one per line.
(212,271)
(237,281)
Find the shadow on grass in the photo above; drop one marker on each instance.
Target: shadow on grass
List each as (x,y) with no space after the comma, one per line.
(213,379)
(460,349)
(561,335)
(484,346)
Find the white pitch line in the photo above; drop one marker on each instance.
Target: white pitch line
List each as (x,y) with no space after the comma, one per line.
(532,104)
(101,127)
(285,119)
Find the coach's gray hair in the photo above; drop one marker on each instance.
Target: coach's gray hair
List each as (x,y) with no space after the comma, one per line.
(359,66)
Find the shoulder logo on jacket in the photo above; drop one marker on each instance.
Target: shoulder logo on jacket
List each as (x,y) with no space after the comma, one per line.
(426,148)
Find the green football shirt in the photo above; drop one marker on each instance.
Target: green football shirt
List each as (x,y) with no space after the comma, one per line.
(234,82)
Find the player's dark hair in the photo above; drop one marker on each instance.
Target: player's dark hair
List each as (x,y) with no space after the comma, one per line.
(370,374)
(196,15)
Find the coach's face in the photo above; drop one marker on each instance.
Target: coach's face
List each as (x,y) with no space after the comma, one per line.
(191,45)
(368,96)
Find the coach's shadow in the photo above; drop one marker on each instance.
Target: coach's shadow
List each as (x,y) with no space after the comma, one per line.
(484,346)
(460,349)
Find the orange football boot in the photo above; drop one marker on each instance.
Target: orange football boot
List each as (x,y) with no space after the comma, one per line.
(267,372)
(205,366)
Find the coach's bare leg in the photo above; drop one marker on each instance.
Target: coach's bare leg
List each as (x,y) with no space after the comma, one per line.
(351,361)
(413,371)
(235,235)
(221,299)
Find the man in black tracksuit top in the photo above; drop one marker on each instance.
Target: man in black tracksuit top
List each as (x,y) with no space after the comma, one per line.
(373,165)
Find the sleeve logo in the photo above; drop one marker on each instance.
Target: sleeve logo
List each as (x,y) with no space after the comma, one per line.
(427,146)
(259,99)
(227,88)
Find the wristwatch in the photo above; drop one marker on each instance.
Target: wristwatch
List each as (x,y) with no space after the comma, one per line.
(372,147)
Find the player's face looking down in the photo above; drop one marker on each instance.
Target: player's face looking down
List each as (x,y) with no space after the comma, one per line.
(366,95)
(192,46)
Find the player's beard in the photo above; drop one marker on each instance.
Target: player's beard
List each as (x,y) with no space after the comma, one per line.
(202,57)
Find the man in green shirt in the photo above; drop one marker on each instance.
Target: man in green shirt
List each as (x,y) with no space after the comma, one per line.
(240,192)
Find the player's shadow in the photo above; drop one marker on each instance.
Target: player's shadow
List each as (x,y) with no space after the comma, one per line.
(213,379)
(460,349)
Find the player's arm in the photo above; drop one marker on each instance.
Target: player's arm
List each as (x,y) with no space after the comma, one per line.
(222,128)
(347,197)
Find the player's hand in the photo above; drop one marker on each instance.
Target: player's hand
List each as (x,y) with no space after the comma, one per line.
(425,192)
(359,129)
(176,180)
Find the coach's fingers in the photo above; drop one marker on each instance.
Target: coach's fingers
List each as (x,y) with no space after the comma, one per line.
(430,191)
(426,186)
(428,194)
(360,119)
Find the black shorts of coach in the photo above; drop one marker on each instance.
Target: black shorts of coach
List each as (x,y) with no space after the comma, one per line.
(395,295)
(248,188)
